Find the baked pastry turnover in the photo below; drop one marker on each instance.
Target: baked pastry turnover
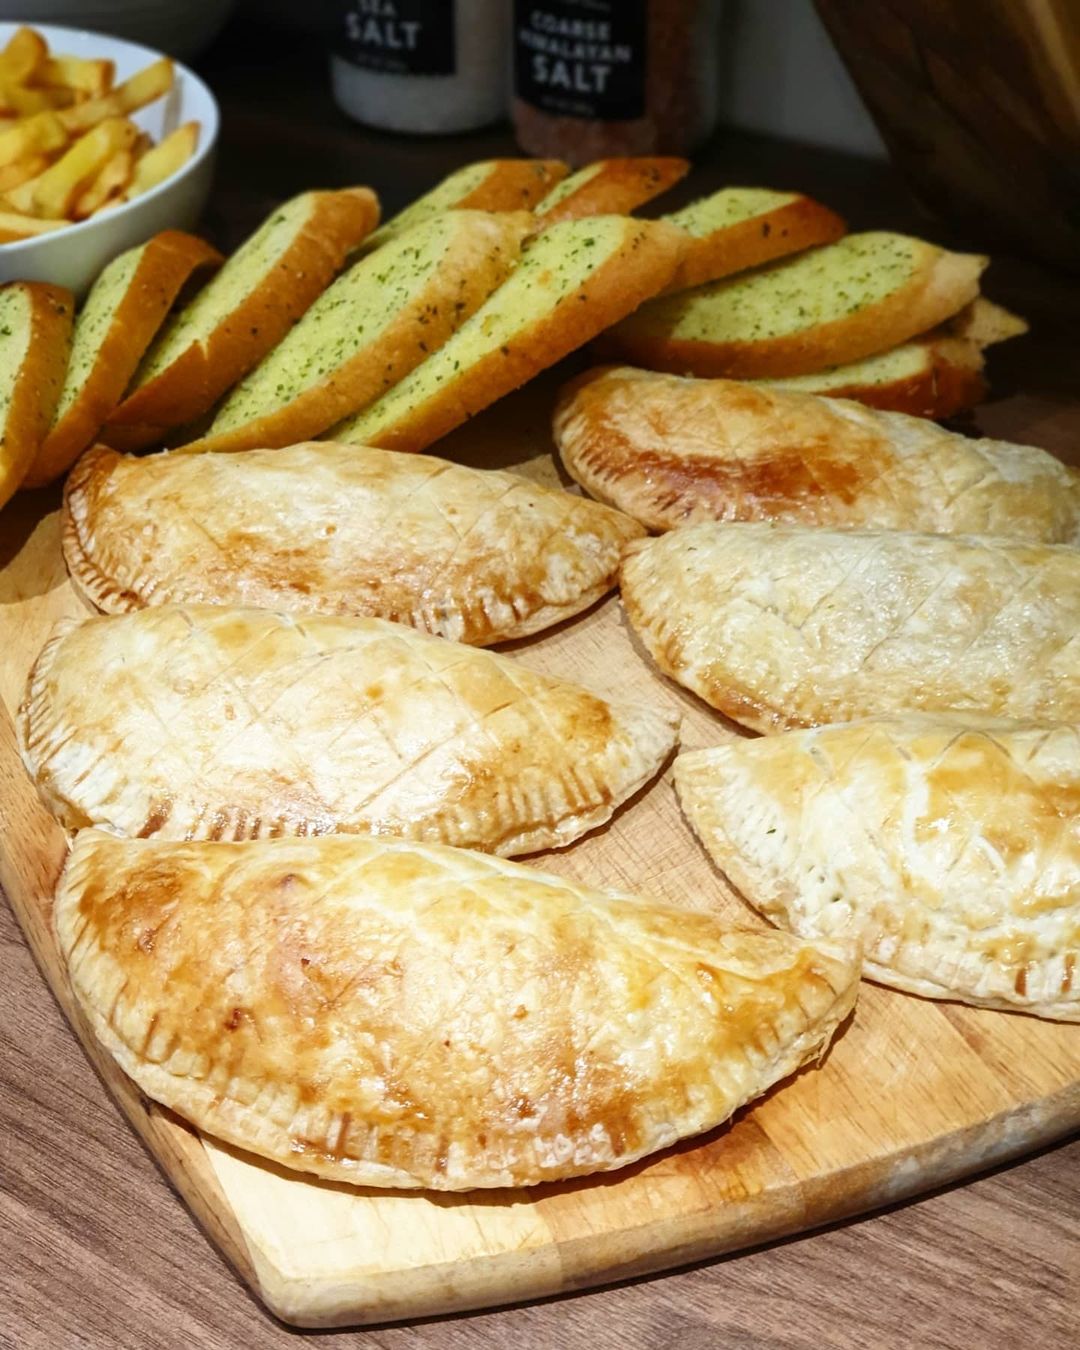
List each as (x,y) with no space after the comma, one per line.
(671,451)
(217,723)
(476,555)
(949,849)
(394,1014)
(779,626)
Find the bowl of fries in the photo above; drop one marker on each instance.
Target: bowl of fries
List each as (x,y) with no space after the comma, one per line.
(103,143)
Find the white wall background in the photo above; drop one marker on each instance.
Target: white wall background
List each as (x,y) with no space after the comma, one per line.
(779,73)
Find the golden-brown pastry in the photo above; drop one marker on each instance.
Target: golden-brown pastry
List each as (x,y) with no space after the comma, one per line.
(209,722)
(394,1014)
(671,452)
(949,849)
(476,555)
(779,626)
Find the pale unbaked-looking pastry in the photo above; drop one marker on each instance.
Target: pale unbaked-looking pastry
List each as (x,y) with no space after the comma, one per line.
(671,451)
(208,722)
(780,626)
(393,1014)
(949,849)
(475,555)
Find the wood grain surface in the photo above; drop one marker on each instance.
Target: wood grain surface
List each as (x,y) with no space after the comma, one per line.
(96,1251)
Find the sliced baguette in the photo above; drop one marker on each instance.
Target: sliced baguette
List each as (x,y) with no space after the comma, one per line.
(609,187)
(369,329)
(242,313)
(825,307)
(936,376)
(572,281)
(489,185)
(125,308)
(35,338)
(985,323)
(738,228)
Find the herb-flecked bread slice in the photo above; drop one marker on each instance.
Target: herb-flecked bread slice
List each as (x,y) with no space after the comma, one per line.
(609,187)
(825,307)
(35,338)
(947,847)
(738,228)
(479,556)
(125,308)
(489,185)
(934,376)
(780,626)
(672,451)
(572,281)
(396,1014)
(248,307)
(369,328)
(212,722)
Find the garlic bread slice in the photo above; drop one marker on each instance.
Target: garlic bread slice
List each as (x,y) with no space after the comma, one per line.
(572,280)
(35,338)
(609,186)
(395,1014)
(369,328)
(948,848)
(824,307)
(738,228)
(126,306)
(248,307)
(488,185)
(933,376)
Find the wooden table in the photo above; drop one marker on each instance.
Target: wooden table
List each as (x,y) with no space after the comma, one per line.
(96,1251)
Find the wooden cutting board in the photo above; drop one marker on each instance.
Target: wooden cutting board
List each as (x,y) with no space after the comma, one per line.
(911,1095)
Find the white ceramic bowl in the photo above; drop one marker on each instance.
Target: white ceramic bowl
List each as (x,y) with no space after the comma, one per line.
(74,255)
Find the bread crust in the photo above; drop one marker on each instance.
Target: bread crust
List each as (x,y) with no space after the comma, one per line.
(803,223)
(637,270)
(618,187)
(473,268)
(951,381)
(941,286)
(195,380)
(38,381)
(167,261)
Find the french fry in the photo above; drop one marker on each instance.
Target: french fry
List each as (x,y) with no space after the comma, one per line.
(142,88)
(93,77)
(112,178)
(54,191)
(164,159)
(22,227)
(20,101)
(13,175)
(40,134)
(23,56)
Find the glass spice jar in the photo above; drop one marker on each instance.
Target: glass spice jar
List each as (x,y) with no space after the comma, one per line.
(423,66)
(601,78)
